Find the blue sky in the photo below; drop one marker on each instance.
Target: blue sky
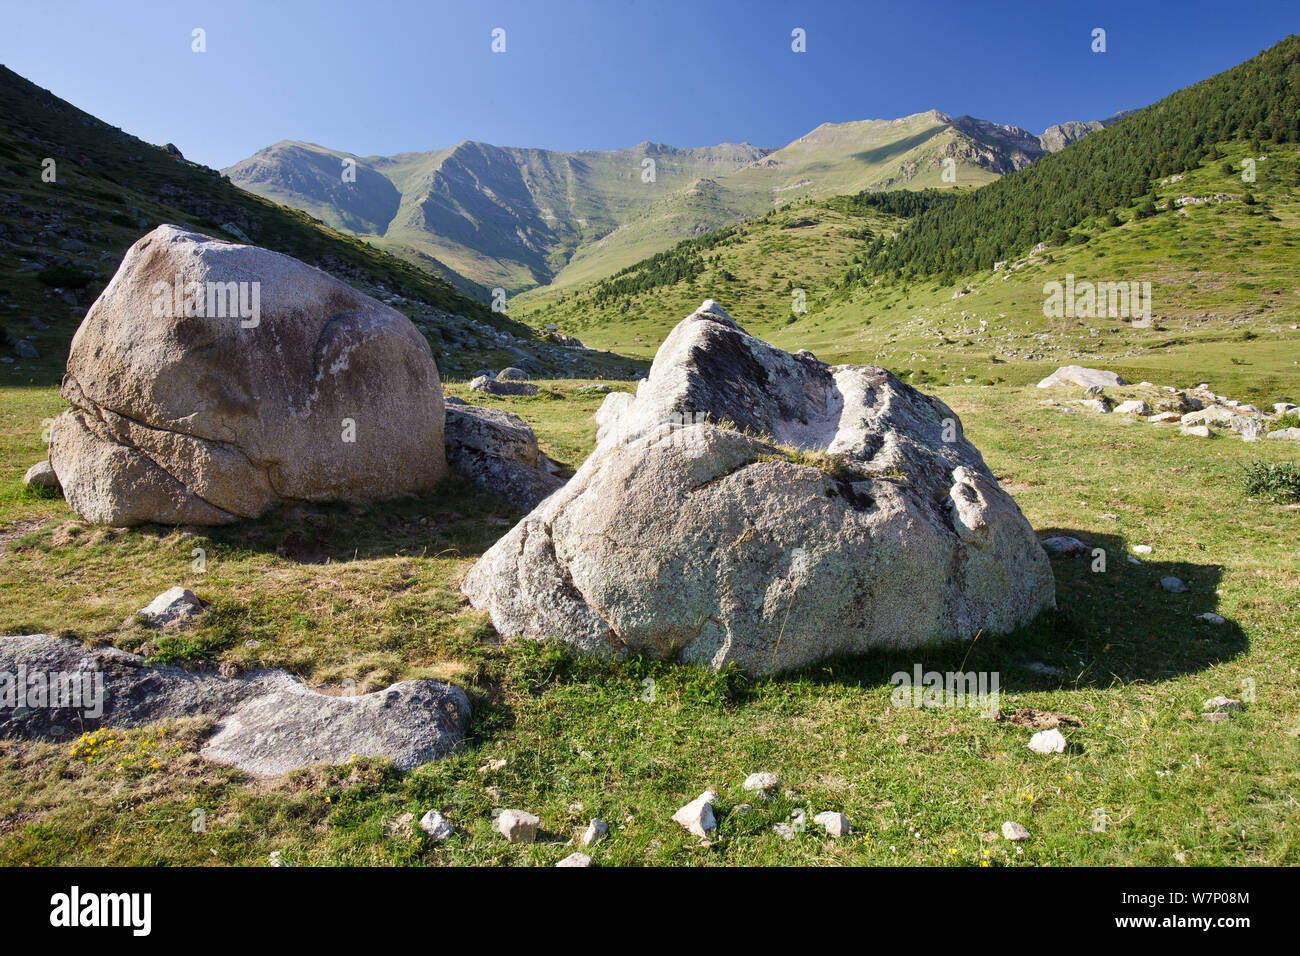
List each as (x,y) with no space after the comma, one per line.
(381,76)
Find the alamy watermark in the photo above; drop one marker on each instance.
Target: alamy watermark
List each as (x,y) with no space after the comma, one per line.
(949,689)
(74,690)
(1081,300)
(214,300)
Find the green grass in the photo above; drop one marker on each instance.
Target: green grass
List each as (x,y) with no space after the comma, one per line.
(368,593)
(1273,481)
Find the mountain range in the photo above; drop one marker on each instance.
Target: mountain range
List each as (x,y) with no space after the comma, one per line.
(484,217)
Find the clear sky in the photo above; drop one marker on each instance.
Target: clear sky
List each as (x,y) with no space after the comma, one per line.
(382,76)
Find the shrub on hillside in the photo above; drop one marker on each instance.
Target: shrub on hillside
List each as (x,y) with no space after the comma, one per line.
(1273,481)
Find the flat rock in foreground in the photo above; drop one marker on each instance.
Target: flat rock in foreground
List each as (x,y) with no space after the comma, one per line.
(268,721)
(762,509)
(211,381)
(410,723)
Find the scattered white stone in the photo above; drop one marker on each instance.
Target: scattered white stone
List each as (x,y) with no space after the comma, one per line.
(1285,434)
(1173,585)
(1164,417)
(517,826)
(173,606)
(1065,546)
(1142,549)
(41,475)
(835,824)
(762,782)
(1047,742)
(1099,405)
(596,831)
(1014,831)
(697,816)
(784,831)
(1196,431)
(436,825)
(1134,407)
(1209,617)
(1222,705)
(575,859)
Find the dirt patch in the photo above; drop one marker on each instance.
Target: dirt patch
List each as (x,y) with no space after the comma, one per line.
(1038,719)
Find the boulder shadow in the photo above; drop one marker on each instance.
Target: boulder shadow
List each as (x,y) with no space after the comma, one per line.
(1114,624)
(454,518)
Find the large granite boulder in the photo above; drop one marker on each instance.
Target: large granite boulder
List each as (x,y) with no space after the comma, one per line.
(762,509)
(211,381)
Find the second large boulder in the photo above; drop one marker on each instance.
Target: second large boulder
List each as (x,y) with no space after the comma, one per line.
(211,381)
(754,508)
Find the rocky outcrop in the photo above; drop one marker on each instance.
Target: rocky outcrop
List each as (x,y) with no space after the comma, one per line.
(268,722)
(498,451)
(211,381)
(761,509)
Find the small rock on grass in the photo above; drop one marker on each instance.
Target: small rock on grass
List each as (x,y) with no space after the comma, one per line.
(596,831)
(1209,617)
(41,475)
(1048,670)
(173,606)
(784,831)
(697,816)
(517,826)
(835,824)
(1222,705)
(1047,742)
(575,859)
(1065,546)
(762,782)
(1142,549)
(1014,831)
(436,825)
(1173,585)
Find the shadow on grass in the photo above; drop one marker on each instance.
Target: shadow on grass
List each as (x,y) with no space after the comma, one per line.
(456,519)
(1111,626)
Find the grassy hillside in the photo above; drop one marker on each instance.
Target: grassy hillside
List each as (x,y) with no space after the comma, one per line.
(63,240)
(1255,102)
(1225,303)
